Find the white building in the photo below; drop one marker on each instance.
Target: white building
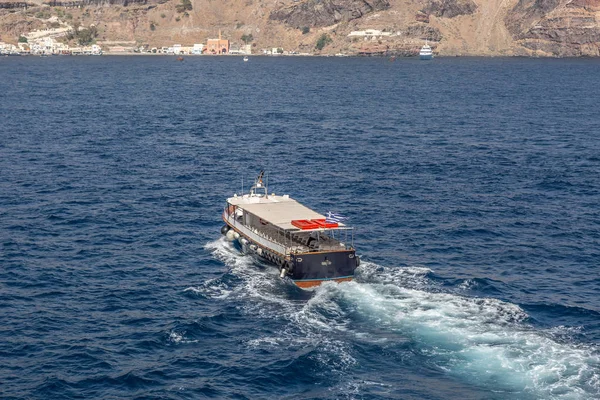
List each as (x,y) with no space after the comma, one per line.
(372,34)
(198,48)
(46,45)
(244,49)
(6,48)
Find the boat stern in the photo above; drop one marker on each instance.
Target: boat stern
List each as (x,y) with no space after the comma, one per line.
(312,269)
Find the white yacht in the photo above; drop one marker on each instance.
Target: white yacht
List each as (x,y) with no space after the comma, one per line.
(426,53)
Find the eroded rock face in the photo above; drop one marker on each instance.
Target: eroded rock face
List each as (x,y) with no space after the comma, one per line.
(576,37)
(15,4)
(588,5)
(423,32)
(316,13)
(521,18)
(543,26)
(449,8)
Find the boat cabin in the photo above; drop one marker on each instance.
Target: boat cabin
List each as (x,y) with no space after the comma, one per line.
(283,224)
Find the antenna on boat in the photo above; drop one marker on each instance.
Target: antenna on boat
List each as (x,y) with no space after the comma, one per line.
(242,184)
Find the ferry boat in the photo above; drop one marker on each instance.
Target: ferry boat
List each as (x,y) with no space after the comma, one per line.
(426,53)
(307,247)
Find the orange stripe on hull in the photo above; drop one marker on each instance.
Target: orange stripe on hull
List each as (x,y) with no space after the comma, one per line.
(317,282)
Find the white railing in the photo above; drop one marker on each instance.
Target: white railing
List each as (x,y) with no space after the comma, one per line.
(256,236)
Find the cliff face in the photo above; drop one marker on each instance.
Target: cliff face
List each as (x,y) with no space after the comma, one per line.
(12,26)
(15,4)
(526,12)
(588,5)
(555,27)
(453,27)
(449,8)
(318,13)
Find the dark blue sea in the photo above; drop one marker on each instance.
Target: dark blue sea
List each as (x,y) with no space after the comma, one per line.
(473,184)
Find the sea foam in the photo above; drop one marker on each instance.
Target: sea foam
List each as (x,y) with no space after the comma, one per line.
(485,342)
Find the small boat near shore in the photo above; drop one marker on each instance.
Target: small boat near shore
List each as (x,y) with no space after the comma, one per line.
(307,247)
(426,53)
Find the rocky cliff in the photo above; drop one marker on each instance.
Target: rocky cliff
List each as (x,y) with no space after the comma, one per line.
(449,8)
(453,27)
(318,13)
(556,27)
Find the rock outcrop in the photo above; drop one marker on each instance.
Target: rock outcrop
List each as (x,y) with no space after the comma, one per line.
(547,27)
(521,18)
(449,8)
(15,4)
(423,32)
(588,5)
(316,13)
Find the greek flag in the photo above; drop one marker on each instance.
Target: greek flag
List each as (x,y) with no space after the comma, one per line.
(334,218)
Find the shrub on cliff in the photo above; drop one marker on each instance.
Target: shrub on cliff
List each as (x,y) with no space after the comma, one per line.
(85,36)
(186,5)
(247,38)
(43,15)
(22,39)
(323,41)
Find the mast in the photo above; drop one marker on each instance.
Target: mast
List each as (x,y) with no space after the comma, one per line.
(258,184)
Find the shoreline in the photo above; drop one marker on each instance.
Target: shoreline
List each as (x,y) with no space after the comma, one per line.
(392,57)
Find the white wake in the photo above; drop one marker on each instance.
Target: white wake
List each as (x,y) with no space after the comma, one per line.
(482,341)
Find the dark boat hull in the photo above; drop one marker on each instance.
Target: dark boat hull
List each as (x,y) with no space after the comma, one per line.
(305,269)
(310,269)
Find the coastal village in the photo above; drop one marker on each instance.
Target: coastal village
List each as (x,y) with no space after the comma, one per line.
(51,42)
